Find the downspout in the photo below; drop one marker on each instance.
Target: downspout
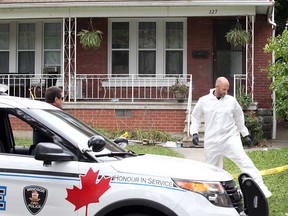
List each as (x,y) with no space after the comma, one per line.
(270,19)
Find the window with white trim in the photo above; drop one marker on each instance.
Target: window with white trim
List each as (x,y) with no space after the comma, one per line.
(147,47)
(27,47)
(174,48)
(52,44)
(4,48)
(120,48)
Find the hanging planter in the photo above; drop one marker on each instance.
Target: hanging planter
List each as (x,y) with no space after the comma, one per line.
(179,90)
(237,36)
(90,38)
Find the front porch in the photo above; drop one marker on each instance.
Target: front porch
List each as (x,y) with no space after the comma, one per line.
(105,88)
(96,87)
(117,102)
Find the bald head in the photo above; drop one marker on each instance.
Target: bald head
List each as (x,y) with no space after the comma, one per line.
(221,87)
(221,81)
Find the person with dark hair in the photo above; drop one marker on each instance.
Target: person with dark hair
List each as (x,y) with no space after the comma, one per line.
(224,121)
(53,95)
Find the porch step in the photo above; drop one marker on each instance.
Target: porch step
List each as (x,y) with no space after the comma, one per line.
(187,142)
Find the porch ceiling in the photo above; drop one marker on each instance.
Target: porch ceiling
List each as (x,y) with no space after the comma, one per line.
(166,8)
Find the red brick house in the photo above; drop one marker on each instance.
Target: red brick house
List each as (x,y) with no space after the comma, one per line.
(146,46)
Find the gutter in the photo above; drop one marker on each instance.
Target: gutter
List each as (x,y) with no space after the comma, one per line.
(270,19)
(69,4)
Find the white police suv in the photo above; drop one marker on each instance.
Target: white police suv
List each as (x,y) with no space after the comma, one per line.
(64,167)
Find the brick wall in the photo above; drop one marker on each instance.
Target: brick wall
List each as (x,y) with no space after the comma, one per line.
(19,125)
(200,38)
(262,93)
(147,119)
(92,61)
(163,120)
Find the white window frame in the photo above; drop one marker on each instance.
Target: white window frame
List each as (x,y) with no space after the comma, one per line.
(6,50)
(133,46)
(26,50)
(39,46)
(48,50)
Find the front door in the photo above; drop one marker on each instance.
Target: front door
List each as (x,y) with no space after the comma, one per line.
(228,60)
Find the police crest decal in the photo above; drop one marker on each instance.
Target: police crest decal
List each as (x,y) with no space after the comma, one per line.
(35,198)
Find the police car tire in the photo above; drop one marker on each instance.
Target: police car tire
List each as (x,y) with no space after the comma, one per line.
(136,214)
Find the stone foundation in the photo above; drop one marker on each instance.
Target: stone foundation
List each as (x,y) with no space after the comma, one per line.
(265,117)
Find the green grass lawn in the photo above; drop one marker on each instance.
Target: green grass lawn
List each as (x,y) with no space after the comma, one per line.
(277,183)
(263,160)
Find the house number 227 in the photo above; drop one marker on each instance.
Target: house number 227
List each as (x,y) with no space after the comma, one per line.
(213,11)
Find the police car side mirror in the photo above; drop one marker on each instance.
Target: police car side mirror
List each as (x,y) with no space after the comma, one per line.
(49,152)
(97,143)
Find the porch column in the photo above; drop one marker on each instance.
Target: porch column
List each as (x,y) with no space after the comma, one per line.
(250,20)
(69,57)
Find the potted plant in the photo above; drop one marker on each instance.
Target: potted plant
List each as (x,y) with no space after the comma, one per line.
(90,39)
(237,36)
(180,90)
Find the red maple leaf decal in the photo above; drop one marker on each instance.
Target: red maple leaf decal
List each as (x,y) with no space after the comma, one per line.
(90,192)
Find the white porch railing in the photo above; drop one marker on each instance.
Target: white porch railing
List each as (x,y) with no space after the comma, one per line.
(96,87)
(240,85)
(30,85)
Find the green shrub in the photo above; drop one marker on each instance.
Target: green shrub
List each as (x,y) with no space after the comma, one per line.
(278,70)
(244,100)
(254,126)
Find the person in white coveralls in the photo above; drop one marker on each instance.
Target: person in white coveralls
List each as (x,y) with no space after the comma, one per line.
(224,121)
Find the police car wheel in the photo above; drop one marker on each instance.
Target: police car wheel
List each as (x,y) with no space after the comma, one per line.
(136,214)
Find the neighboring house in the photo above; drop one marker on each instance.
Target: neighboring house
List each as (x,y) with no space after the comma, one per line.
(146,46)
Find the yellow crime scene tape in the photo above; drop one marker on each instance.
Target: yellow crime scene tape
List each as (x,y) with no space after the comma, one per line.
(31,94)
(269,171)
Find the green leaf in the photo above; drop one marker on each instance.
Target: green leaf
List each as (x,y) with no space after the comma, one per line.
(90,39)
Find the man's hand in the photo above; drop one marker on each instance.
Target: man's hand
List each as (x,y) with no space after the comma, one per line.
(247,141)
(195,139)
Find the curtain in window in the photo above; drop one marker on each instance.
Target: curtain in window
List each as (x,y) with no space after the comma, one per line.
(26,62)
(120,62)
(147,63)
(26,48)
(4,48)
(120,48)
(52,44)
(147,48)
(174,35)
(174,62)
(174,48)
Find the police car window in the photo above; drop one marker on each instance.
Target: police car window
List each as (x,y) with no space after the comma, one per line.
(21,134)
(19,137)
(57,122)
(78,125)
(75,129)
(73,122)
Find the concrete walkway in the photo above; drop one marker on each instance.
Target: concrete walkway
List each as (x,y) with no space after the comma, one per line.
(281,141)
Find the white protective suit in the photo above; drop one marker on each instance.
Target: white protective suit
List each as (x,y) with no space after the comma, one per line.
(224,121)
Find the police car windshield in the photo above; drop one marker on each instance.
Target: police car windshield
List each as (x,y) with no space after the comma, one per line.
(71,128)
